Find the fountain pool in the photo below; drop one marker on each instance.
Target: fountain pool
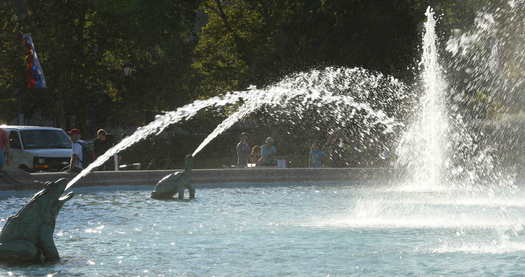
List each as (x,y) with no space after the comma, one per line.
(320,229)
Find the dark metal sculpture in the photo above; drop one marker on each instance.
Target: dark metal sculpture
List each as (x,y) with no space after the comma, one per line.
(175,183)
(27,237)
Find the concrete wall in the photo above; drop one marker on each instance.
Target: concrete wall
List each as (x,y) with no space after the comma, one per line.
(216,177)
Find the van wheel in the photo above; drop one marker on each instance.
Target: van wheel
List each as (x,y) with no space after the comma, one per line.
(25,168)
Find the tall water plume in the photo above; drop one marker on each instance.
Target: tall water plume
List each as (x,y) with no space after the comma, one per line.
(423,148)
(473,184)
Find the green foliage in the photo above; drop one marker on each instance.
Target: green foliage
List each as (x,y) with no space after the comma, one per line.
(257,41)
(182,50)
(84,46)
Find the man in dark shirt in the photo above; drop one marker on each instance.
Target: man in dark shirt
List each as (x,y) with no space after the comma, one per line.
(4,148)
(243,151)
(102,144)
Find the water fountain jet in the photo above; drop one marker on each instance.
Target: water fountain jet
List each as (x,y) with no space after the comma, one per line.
(423,149)
(383,92)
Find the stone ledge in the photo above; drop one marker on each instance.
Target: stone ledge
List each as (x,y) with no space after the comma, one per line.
(212,176)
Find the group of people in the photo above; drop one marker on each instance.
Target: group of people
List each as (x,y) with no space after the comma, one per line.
(265,155)
(81,156)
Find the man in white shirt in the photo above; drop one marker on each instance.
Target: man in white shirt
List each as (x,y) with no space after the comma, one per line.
(75,163)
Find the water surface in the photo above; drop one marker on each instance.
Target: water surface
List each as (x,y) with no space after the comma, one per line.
(284,231)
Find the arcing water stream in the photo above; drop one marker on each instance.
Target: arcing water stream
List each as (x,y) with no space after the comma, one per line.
(158,125)
(341,91)
(332,90)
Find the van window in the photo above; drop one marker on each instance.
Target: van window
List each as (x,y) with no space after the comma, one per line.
(14,140)
(44,139)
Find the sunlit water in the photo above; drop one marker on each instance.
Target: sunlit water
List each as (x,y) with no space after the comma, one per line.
(428,228)
(423,148)
(328,230)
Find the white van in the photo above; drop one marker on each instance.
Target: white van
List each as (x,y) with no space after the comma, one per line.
(35,148)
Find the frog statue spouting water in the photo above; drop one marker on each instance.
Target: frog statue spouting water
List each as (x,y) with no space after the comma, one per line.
(27,237)
(175,183)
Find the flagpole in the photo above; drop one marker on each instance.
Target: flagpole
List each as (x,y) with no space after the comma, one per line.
(21,15)
(21,9)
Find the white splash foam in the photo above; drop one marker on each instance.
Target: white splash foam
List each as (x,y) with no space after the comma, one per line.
(492,247)
(423,147)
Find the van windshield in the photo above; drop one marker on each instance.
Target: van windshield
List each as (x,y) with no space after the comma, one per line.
(44,139)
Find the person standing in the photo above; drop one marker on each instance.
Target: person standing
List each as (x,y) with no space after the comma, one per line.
(268,152)
(101,145)
(75,163)
(4,148)
(243,151)
(316,156)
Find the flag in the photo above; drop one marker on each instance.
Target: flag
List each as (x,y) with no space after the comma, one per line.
(34,72)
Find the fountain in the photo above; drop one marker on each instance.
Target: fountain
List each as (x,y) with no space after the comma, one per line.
(446,145)
(372,95)
(456,177)
(423,148)
(158,125)
(454,213)
(315,88)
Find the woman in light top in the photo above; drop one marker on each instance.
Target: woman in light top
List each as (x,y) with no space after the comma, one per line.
(255,155)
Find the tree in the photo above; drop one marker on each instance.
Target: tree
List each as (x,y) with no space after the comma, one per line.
(84,46)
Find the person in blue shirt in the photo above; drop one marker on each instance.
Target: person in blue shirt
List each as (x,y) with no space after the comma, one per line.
(316,156)
(268,151)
